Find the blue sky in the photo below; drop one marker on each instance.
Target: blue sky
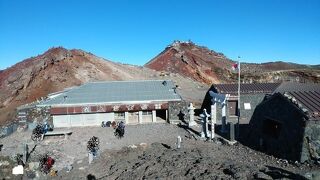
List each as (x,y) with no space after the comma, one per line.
(133,32)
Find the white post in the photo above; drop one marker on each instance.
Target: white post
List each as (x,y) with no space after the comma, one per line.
(90,157)
(154,116)
(191,115)
(204,122)
(140,117)
(207,128)
(178,142)
(213,118)
(205,116)
(223,123)
(126,117)
(166,115)
(203,126)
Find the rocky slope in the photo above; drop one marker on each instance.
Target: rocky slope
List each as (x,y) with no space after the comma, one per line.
(208,66)
(59,68)
(190,66)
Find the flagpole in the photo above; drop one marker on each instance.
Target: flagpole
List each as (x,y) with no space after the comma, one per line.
(239,104)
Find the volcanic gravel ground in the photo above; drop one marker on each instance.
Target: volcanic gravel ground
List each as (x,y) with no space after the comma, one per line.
(196,159)
(149,152)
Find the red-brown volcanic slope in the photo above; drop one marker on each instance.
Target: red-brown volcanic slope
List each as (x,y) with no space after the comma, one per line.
(193,61)
(207,66)
(182,62)
(59,68)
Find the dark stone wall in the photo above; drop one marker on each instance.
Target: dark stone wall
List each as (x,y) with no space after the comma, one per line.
(8,129)
(35,115)
(286,141)
(254,100)
(311,142)
(178,111)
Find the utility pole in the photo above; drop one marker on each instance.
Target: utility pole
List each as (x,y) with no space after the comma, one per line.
(239,104)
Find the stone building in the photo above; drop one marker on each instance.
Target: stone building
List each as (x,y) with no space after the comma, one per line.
(287,123)
(250,96)
(133,102)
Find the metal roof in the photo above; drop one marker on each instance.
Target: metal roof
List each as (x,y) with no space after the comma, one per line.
(295,86)
(246,88)
(112,92)
(309,100)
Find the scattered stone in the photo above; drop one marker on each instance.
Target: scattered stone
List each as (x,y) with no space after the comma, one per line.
(53,172)
(33,165)
(17,170)
(4,163)
(80,161)
(132,146)
(82,168)
(5,170)
(68,168)
(143,145)
(31,174)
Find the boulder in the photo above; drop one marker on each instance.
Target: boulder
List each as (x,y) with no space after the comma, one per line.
(4,163)
(33,166)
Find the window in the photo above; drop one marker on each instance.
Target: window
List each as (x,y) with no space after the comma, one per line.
(272,128)
(157,106)
(146,113)
(119,115)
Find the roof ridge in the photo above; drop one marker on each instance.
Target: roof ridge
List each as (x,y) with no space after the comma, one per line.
(146,80)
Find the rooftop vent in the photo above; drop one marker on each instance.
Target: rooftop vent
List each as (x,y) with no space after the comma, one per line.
(164,83)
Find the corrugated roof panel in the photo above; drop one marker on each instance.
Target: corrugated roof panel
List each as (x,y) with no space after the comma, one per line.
(295,86)
(309,100)
(117,91)
(247,88)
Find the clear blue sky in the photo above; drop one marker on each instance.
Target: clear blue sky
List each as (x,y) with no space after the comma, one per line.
(135,31)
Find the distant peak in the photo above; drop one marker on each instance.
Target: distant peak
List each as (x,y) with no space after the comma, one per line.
(177,43)
(56,50)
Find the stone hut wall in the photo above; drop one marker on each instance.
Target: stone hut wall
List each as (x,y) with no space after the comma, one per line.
(311,142)
(277,128)
(178,111)
(35,115)
(254,100)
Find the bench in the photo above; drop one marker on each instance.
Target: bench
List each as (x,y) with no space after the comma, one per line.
(57,132)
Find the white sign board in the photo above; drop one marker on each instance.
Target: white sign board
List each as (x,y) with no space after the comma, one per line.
(247,106)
